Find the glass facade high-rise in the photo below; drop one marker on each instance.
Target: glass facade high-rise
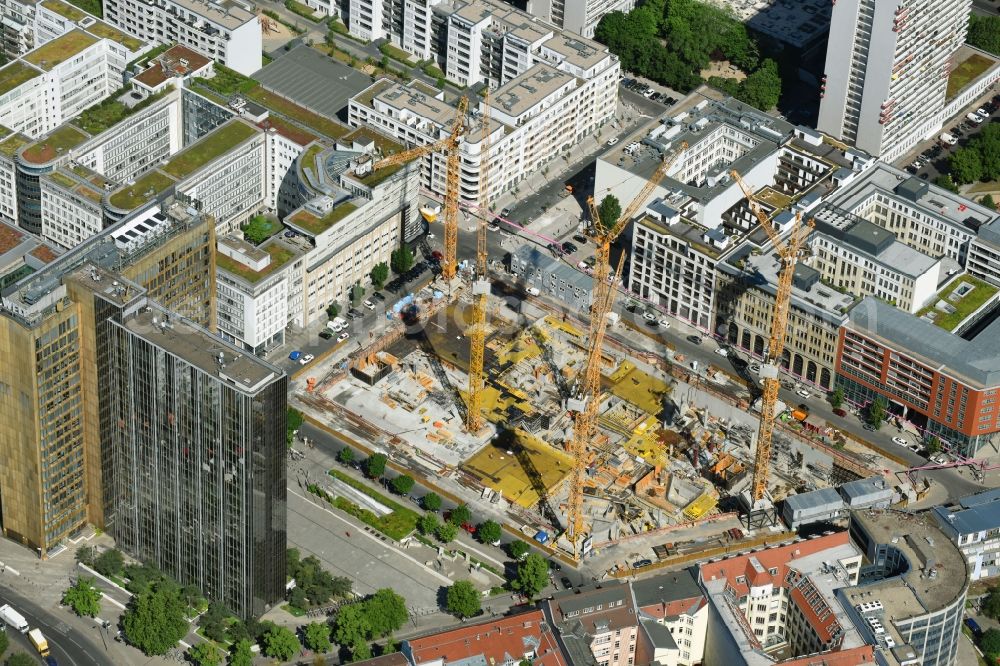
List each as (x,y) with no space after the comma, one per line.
(194,441)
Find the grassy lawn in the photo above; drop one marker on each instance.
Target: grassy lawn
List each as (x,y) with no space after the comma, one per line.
(315,225)
(430,69)
(280,255)
(12,144)
(219,142)
(92,6)
(60,49)
(64,10)
(131,196)
(228,82)
(15,74)
(110,112)
(313,121)
(966,72)
(293,132)
(293,611)
(260,228)
(55,144)
(971,302)
(114,34)
(302,10)
(395,53)
(398,524)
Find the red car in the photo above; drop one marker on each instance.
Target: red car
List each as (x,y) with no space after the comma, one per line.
(840,412)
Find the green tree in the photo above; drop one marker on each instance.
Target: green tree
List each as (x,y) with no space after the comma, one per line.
(460,515)
(988,202)
(110,562)
(4,642)
(401,259)
(431,502)
(154,621)
(532,576)
(204,654)
(428,523)
(966,165)
(20,659)
(463,600)
(984,33)
(293,559)
(403,484)
(85,555)
(991,604)
(989,644)
(945,181)
(351,625)
(876,412)
(517,549)
(83,597)
(391,646)
(345,456)
(298,599)
(360,650)
(332,310)
(258,230)
(446,532)
(293,421)
(609,211)
(489,531)
(933,445)
(241,653)
(837,397)
(280,643)
(762,88)
(375,465)
(386,612)
(317,635)
(379,274)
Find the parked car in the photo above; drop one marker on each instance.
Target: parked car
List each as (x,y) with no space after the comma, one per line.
(569,248)
(870,428)
(649,316)
(974,627)
(343,336)
(326,334)
(664,323)
(722,351)
(804,393)
(612,141)
(840,412)
(566,582)
(694,339)
(582,240)
(306,358)
(900,441)
(378,296)
(294,356)
(638,564)
(355,314)
(505,212)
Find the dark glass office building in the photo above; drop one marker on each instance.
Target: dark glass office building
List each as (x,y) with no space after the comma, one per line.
(193,439)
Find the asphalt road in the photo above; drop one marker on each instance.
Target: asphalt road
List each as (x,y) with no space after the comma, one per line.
(68,645)
(985,7)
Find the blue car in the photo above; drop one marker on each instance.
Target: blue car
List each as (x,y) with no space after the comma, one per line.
(294,356)
(977,631)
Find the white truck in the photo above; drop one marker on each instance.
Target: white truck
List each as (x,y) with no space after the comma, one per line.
(947,139)
(38,640)
(13,618)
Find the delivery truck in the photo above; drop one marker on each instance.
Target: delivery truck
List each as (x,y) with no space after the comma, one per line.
(36,638)
(13,618)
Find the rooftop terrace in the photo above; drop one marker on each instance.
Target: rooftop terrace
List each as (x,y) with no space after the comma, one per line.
(57,143)
(15,74)
(210,147)
(51,54)
(280,253)
(963,296)
(317,225)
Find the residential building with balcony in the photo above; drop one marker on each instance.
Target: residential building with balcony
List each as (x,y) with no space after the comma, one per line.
(939,369)
(228,31)
(579,17)
(17,27)
(568,91)
(675,601)
(974,526)
(886,75)
(599,623)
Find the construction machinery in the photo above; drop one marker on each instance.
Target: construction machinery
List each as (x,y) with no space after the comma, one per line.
(480,288)
(759,503)
(587,399)
(450,146)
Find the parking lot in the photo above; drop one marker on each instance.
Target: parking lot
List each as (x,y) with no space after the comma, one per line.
(933,161)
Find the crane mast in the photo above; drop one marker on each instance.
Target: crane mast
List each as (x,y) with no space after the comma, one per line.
(480,286)
(587,400)
(450,146)
(788,253)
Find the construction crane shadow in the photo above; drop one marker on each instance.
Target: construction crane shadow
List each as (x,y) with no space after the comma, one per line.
(449,391)
(506,440)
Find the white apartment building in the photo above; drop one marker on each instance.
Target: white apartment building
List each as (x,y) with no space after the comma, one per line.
(676,601)
(71,205)
(543,112)
(17,20)
(228,31)
(579,17)
(252,290)
(860,257)
(224,171)
(887,68)
(928,218)
(974,526)
(59,79)
(984,254)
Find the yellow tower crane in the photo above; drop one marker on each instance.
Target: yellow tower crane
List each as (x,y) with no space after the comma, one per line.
(481,285)
(788,253)
(450,146)
(587,399)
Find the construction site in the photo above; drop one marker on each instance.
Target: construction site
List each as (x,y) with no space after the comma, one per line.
(609,453)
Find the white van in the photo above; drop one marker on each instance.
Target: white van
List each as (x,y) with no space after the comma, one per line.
(947,139)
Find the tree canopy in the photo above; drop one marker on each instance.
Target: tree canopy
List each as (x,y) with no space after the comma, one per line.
(345,456)
(20,659)
(204,654)
(990,644)
(110,562)
(379,274)
(375,465)
(280,643)
(489,531)
(403,484)
(463,599)
(532,575)
(313,584)
(876,412)
(460,515)
(401,259)
(671,41)
(317,635)
(356,624)
(609,211)
(431,502)
(241,654)
(984,33)
(154,621)
(517,549)
(83,597)
(446,532)
(259,229)
(991,604)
